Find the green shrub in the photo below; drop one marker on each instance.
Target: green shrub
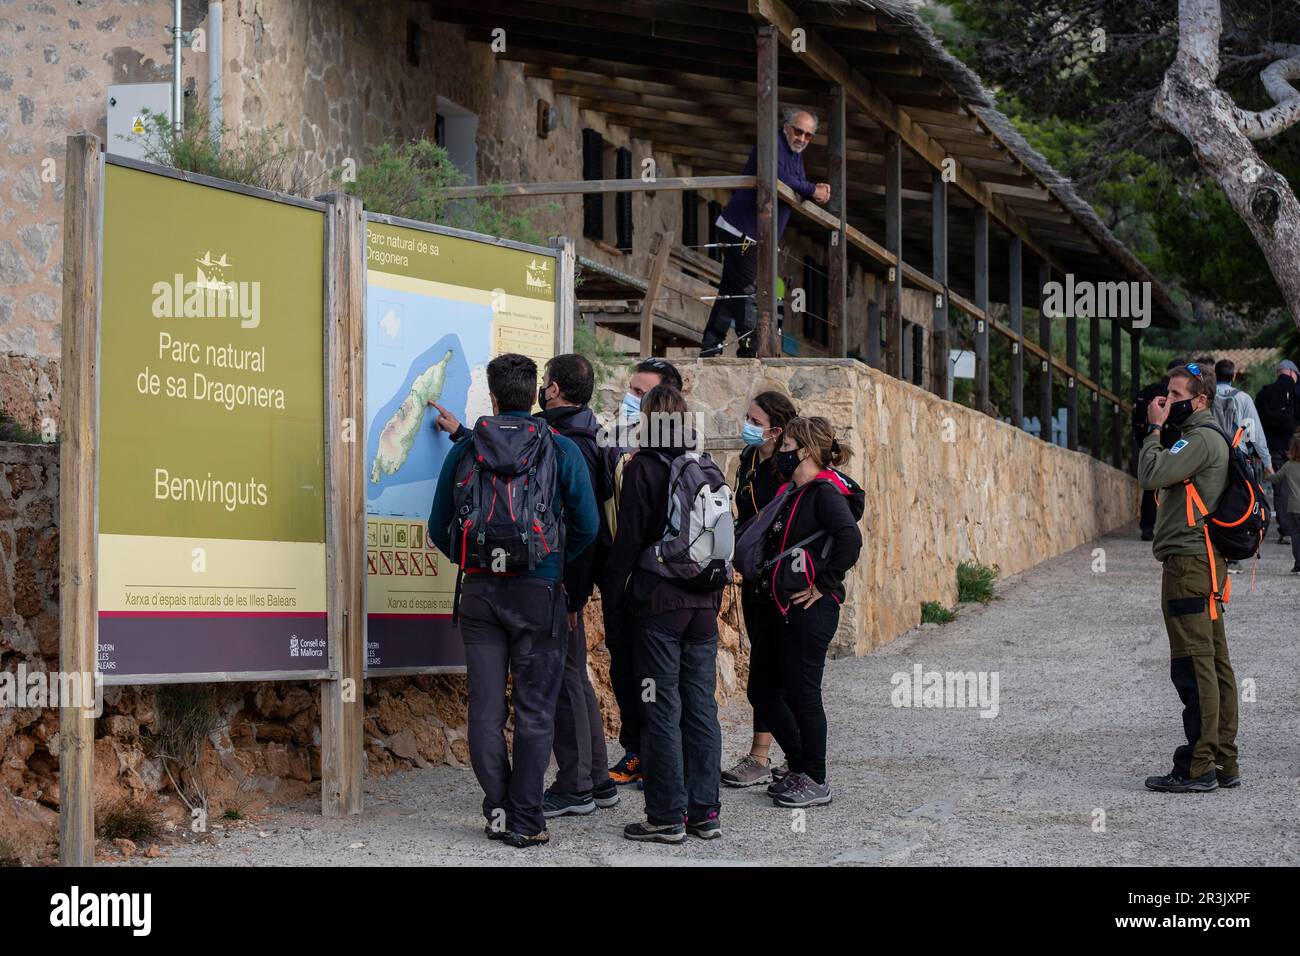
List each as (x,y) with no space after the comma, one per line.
(11,430)
(975,582)
(253,157)
(130,819)
(932,612)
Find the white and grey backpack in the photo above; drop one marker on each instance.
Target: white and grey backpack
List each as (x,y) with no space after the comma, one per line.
(700,535)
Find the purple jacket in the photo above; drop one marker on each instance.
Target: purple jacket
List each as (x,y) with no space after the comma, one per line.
(742,210)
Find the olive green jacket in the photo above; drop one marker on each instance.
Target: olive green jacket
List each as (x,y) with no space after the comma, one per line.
(1201,455)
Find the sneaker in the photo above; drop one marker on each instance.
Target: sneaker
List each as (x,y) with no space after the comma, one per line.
(1228,783)
(707,829)
(781,771)
(522,841)
(627,770)
(556,804)
(647,832)
(606,795)
(782,783)
(1172,783)
(749,771)
(713,351)
(1234,567)
(493,833)
(804,792)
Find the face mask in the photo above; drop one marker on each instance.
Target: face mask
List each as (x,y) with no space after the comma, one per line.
(631,407)
(541,397)
(751,434)
(1179,411)
(786,462)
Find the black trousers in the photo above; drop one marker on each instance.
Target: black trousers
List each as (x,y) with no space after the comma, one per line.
(1281,502)
(790,700)
(621,641)
(579,732)
(512,626)
(1147,521)
(736,303)
(762,655)
(681,741)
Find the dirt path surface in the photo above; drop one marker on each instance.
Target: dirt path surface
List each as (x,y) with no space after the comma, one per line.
(1085,711)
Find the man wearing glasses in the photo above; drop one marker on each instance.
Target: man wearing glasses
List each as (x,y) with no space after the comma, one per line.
(738,224)
(1192,588)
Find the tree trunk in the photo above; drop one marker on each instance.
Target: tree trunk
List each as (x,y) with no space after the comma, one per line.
(1190,103)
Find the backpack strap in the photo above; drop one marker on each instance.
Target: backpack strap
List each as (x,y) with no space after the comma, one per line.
(1194,498)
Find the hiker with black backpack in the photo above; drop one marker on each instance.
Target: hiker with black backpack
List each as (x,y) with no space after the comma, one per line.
(1289,475)
(513,504)
(796,553)
(1145,396)
(1277,406)
(671,559)
(757,482)
(1193,478)
(1234,411)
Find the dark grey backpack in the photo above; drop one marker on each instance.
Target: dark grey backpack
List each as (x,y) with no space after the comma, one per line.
(700,536)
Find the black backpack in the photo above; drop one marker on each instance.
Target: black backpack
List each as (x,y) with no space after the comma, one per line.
(1240,519)
(506,517)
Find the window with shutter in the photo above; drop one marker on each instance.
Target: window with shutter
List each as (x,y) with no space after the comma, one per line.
(593,167)
(623,209)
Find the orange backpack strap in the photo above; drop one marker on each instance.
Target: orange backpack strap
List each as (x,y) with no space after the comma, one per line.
(1194,499)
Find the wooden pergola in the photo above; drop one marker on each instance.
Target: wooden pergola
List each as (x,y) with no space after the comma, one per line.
(911,143)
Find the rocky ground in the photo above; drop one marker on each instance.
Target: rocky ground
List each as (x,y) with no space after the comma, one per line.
(1085,710)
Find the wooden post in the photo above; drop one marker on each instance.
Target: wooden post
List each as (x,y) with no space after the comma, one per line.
(565,263)
(79,398)
(1116,386)
(1016,318)
(940,367)
(343,700)
(1094,373)
(653,290)
(1135,374)
(838,253)
(1045,341)
(894,243)
(769,128)
(982,300)
(873,333)
(1072,379)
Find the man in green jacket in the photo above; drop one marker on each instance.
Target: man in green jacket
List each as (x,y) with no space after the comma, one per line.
(1191,475)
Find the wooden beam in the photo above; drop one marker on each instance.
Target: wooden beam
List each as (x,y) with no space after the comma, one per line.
(837,306)
(565,269)
(768,48)
(584,186)
(894,243)
(1117,422)
(982,302)
(342,711)
(940,366)
(1016,318)
(1071,386)
(1094,372)
(78,451)
(873,333)
(654,289)
(1135,379)
(1045,360)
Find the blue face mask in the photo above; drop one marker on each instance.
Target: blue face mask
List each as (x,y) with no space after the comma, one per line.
(631,407)
(751,434)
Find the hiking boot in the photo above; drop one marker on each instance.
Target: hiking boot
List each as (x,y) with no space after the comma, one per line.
(781,771)
(493,833)
(804,792)
(627,770)
(522,841)
(782,783)
(1172,783)
(647,832)
(606,795)
(1296,569)
(1234,567)
(1148,534)
(713,351)
(1228,783)
(556,804)
(707,829)
(749,771)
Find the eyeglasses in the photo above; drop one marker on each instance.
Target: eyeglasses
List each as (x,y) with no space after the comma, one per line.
(804,133)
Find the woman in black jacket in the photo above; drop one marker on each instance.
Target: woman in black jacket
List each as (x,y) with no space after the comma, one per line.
(676,641)
(756,484)
(813,541)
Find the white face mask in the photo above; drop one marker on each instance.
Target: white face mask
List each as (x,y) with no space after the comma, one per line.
(631,407)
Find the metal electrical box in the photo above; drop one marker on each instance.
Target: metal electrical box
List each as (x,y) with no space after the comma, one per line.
(126,120)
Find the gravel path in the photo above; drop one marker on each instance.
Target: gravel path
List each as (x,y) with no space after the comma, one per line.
(1085,711)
